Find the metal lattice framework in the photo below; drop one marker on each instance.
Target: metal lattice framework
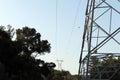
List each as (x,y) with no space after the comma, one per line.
(101,37)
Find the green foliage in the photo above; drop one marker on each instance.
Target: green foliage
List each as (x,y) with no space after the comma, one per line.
(61,75)
(17,57)
(107,67)
(31,41)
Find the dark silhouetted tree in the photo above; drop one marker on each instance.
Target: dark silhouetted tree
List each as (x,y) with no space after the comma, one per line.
(19,56)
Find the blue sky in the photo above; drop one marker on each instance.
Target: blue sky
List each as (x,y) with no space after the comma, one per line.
(64,34)
(41,14)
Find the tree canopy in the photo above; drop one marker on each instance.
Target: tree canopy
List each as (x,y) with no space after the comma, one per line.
(107,67)
(19,56)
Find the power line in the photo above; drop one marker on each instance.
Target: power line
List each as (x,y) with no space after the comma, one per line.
(56,33)
(78,7)
(75,19)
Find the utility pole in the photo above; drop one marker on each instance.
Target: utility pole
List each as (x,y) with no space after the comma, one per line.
(100,37)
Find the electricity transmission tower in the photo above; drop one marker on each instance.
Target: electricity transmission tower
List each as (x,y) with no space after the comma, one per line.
(101,38)
(59,64)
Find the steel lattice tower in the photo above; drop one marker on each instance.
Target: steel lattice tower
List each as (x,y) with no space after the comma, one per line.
(60,64)
(101,37)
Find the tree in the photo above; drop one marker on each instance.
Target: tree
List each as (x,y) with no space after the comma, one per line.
(62,75)
(31,41)
(106,68)
(59,75)
(19,56)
